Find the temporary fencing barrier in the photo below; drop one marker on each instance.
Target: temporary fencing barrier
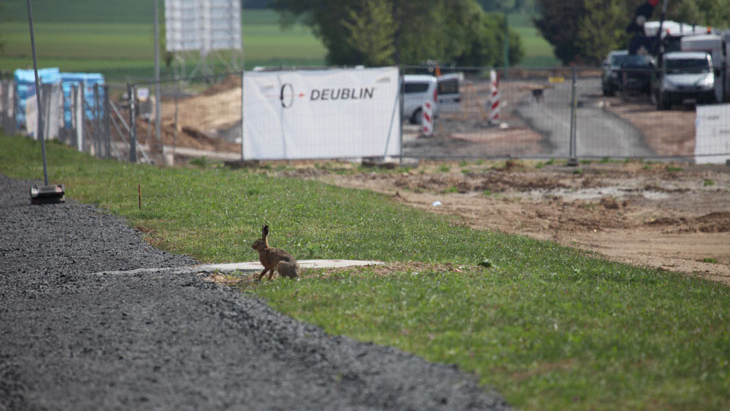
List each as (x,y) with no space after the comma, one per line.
(543,114)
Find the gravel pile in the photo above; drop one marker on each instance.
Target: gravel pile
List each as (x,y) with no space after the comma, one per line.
(71,339)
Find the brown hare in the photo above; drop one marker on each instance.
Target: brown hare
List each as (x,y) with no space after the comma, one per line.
(274,259)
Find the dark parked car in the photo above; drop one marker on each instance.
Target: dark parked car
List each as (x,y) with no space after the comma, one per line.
(626,72)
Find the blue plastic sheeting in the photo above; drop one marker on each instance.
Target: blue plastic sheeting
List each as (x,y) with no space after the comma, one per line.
(77,79)
(25,86)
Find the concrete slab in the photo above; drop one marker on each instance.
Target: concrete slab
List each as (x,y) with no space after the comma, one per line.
(244,267)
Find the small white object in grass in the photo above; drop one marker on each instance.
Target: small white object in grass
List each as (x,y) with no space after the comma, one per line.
(436,203)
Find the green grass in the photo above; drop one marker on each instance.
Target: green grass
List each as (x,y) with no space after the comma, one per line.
(549,327)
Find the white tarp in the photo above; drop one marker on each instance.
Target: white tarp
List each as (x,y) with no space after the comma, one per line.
(340,113)
(202,25)
(712,137)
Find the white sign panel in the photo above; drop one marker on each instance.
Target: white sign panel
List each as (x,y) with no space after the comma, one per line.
(202,25)
(342,113)
(712,137)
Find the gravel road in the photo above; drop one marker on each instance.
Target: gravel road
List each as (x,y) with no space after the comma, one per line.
(599,133)
(71,339)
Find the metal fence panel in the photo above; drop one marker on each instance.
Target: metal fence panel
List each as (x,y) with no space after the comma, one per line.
(537,117)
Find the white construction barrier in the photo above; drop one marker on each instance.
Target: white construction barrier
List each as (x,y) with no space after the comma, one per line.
(341,113)
(712,134)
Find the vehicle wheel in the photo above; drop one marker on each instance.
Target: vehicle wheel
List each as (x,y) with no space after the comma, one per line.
(416,117)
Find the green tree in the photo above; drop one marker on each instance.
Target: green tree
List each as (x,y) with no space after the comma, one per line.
(715,13)
(559,23)
(508,5)
(449,31)
(601,29)
(372,32)
(583,31)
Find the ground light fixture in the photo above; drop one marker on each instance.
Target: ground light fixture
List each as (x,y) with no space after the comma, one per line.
(45,194)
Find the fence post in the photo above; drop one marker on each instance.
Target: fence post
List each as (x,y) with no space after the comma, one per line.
(107,120)
(79,113)
(13,129)
(132,124)
(401,96)
(243,89)
(6,105)
(46,90)
(573,157)
(97,131)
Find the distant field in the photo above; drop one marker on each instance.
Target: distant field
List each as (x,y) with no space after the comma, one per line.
(123,49)
(116,38)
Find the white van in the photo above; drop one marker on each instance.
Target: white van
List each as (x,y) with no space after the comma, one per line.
(417,89)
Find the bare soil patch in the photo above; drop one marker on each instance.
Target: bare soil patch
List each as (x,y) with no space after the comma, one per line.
(672,217)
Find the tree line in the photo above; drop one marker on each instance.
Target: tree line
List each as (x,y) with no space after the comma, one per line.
(386,32)
(584,31)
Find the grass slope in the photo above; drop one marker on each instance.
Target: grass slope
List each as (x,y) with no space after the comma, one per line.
(550,327)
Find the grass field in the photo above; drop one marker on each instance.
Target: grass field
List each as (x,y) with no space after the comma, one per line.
(549,327)
(116,38)
(123,50)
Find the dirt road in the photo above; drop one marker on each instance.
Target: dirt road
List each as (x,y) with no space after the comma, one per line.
(74,339)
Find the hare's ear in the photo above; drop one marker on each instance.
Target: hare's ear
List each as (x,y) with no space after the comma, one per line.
(264,231)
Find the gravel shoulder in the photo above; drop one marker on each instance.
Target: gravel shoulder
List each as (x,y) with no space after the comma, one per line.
(72,339)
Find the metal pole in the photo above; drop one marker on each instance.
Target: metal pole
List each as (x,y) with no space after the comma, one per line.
(243,77)
(132,125)
(506,45)
(107,131)
(6,104)
(243,101)
(37,93)
(174,135)
(97,123)
(401,93)
(396,106)
(158,93)
(573,160)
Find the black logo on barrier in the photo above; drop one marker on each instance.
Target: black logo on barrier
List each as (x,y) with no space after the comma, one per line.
(287,95)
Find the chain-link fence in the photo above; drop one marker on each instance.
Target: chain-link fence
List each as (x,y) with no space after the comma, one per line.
(539,110)
(199,118)
(76,113)
(542,113)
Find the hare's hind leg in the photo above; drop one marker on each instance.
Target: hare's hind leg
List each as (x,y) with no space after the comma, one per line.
(287,269)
